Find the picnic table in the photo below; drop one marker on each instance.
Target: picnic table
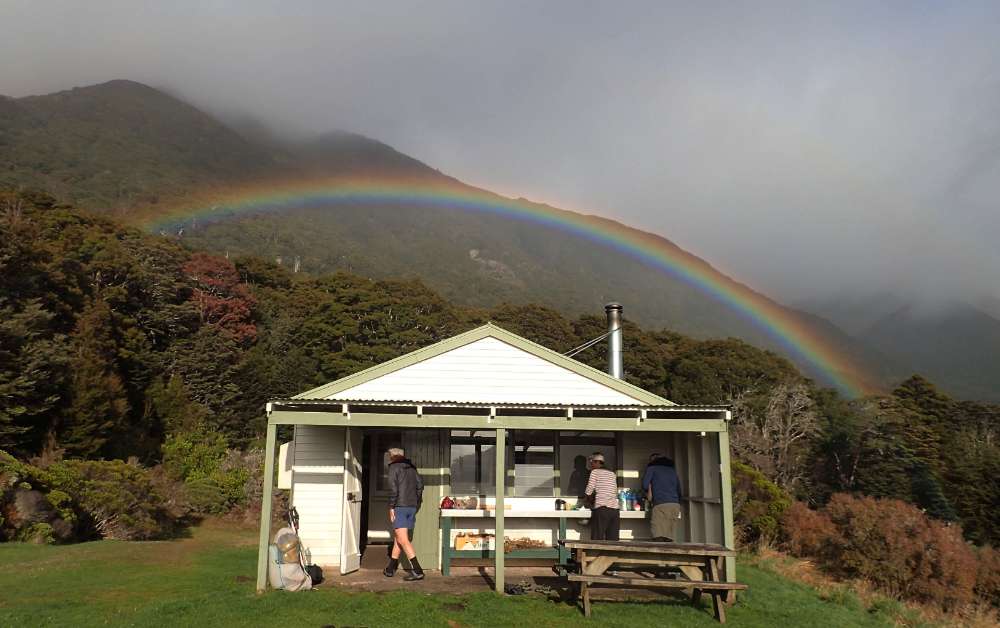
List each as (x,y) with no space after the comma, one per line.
(700,567)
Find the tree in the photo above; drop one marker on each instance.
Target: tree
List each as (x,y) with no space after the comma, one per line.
(777,437)
(98,406)
(31,361)
(220,298)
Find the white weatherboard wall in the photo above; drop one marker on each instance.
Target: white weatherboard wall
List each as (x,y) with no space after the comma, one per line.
(484,371)
(317,492)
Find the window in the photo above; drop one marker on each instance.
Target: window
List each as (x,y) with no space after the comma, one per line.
(534,463)
(473,462)
(574,449)
(536,457)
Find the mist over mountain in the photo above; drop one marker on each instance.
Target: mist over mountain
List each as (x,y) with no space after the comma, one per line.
(119,145)
(958,344)
(473,258)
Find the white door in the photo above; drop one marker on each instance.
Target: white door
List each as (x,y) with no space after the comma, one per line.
(350,550)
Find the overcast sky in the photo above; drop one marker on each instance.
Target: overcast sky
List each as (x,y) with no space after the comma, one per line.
(804,148)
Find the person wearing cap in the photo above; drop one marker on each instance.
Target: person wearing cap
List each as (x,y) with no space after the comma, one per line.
(661,483)
(406,491)
(605,520)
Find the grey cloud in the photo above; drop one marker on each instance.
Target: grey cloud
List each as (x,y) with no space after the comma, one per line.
(805,149)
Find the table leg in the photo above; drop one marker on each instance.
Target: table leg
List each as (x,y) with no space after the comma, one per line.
(586,600)
(718,604)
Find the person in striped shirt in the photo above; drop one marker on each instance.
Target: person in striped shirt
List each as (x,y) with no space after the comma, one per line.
(605,520)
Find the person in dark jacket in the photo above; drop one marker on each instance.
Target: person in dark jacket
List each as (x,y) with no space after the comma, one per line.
(661,483)
(406,493)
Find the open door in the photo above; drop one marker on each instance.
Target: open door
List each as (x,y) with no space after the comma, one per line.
(350,549)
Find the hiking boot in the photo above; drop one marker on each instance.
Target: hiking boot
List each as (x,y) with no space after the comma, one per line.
(416,573)
(390,569)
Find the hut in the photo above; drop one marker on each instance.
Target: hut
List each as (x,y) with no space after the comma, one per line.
(501,424)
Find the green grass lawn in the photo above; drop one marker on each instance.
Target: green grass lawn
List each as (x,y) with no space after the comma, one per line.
(207,580)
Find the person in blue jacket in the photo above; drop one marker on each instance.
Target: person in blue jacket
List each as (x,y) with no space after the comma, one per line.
(660,481)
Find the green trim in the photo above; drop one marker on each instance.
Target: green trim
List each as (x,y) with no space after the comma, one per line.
(488,330)
(541,552)
(479,422)
(501,462)
(265,508)
(728,534)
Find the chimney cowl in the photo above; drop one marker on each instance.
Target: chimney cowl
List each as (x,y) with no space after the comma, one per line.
(614,313)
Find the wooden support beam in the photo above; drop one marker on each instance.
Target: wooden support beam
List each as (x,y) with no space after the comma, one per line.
(501,475)
(265,508)
(728,534)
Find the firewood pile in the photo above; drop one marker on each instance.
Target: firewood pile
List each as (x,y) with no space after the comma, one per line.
(512,545)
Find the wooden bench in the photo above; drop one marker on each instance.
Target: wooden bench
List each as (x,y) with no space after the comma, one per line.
(700,564)
(716,589)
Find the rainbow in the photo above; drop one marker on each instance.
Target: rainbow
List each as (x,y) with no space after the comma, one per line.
(791,332)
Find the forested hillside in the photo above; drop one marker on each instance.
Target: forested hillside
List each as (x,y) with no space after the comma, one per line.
(118,344)
(133,151)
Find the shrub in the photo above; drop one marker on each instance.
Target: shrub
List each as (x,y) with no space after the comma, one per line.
(206,496)
(119,500)
(233,481)
(193,454)
(806,532)
(988,575)
(26,512)
(39,533)
(889,543)
(758,505)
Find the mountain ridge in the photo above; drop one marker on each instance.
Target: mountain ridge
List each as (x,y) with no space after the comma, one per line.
(121,146)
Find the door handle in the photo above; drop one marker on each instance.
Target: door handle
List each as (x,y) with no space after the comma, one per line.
(353,497)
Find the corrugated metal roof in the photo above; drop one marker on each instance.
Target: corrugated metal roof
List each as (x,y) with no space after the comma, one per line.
(336,403)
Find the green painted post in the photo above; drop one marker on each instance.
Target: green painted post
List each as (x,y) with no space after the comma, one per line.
(727,500)
(445,545)
(265,508)
(501,449)
(563,556)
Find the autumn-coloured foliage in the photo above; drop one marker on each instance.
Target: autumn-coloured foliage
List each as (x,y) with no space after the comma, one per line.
(889,543)
(988,576)
(221,298)
(806,531)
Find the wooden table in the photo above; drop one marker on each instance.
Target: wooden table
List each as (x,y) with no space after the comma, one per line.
(700,564)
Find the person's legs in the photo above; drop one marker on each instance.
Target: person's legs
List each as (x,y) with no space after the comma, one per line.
(401,538)
(390,569)
(673,512)
(404,523)
(663,521)
(401,544)
(614,525)
(597,524)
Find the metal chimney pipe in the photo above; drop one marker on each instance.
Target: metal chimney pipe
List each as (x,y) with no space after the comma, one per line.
(614,312)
